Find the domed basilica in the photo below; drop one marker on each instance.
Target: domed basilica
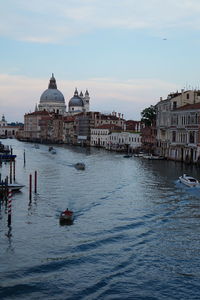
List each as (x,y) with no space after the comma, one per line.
(52,100)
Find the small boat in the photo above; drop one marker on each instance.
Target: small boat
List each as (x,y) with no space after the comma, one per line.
(7,157)
(189,180)
(80,166)
(52,150)
(66,217)
(155,157)
(14,187)
(127,156)
(138,155)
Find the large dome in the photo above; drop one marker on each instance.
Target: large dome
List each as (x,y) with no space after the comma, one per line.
(52,94)
(76,100)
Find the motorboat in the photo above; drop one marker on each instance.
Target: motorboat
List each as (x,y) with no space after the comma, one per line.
(52,150)
(66,217)
(80,166)
(189,180)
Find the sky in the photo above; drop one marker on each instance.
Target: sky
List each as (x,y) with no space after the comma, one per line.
(127,53)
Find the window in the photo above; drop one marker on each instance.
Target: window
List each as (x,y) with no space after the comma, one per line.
(191,137)
(173,136)
(174,104)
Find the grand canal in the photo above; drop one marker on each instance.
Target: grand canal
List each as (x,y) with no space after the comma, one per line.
(135,234)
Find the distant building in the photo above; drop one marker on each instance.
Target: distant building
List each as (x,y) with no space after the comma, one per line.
(53,101)
(79,103)
(42,126)
(8,130)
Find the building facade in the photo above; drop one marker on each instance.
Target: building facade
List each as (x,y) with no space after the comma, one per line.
(177,125)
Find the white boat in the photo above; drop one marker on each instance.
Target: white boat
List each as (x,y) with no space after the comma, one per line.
(15,186)
(189,180)
(138,155)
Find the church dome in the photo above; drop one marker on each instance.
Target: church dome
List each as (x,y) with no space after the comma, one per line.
(76,100)
(52,94)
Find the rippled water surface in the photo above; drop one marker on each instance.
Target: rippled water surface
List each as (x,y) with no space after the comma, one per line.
(135,233)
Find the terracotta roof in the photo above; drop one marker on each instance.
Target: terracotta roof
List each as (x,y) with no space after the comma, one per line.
(132,122)
(38,113)
(69,119)
(108,126)
(189,106)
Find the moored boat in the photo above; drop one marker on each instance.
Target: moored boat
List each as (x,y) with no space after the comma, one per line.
(7,157)
(189,180)
(127,155)
(14,187)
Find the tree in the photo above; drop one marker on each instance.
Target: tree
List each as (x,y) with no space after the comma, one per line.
(148,115)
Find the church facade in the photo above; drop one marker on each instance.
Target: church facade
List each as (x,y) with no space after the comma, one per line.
(53,101)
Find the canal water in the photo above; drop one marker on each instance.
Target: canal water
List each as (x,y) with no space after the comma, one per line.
(135,234)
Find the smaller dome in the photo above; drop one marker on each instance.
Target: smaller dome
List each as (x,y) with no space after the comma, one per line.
(76,100)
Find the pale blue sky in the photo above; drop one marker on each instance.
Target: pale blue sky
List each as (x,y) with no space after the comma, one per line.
(127,53)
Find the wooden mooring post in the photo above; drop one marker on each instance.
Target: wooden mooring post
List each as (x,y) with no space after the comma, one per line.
(30,187)
(24,158)
(10,171)
(9,206)
(14,169)
(35,182)
(4,190)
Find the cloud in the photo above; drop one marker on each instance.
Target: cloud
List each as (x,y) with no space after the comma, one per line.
(20,94)
(55,21)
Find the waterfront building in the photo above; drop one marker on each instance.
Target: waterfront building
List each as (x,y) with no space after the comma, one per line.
(177,124)
(69,130)
(124,141)
(185,133)
(105,119)
(100,134)
(113,137)
(148,138)
(35,126)
(179,99)
(131,125)
(163,122)
(86,121)
(42,126)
